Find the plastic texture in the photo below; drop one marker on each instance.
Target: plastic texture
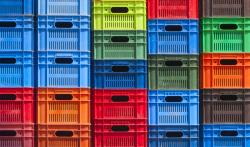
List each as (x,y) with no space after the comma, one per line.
(120,45)
(16,7)
(173,36)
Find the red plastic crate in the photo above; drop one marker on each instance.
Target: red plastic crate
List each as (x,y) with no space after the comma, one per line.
(120,104)
(16,105)
(176,9)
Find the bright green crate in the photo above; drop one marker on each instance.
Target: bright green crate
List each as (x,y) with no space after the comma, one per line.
(120,45)
(106,17)
(179,72)
(226,35)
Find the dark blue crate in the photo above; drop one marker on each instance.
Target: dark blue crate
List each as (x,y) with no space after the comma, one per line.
(16,7)
(16,69)
(16,33)
(226,135)
(173,136)
(64,33)
(173,36)
(119,74)
(63,69)
(173,107)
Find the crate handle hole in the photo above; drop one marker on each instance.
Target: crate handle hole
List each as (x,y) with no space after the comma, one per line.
(8,133)
(7,24)
(229,133)
(119,10)
(173,99)
(120,98)
(173,28)
(120,68)
(173,63)
(120,128)
(64,133)
(229,26)
(7,60)
(228,62)
(64,60)
(7,97)
(174,134)
(119,39)
(228,97)
(63,24)
(63,97)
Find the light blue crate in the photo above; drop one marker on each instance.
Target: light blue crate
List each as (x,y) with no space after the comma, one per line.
(16,7)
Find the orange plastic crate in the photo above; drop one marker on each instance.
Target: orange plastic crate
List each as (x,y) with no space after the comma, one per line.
(225,70)
(63,106)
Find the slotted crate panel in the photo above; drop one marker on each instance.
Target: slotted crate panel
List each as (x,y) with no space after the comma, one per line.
(63,33)
(120,45)
(221,70)
(119,15)
(61,106)
(16,33)
(227,35)
(226,8)
(169,9)
(173,36)
(16,7)
(171,136)
(64,69)
(172,107)
(64,136)
(176,72)
(120,104)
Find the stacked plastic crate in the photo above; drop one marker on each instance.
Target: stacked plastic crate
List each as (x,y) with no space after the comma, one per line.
(173,73)
(16,73)
(225,73)
(120,73)
(63,73)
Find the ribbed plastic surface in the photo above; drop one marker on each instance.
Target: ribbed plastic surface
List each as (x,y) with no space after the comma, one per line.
(16,7)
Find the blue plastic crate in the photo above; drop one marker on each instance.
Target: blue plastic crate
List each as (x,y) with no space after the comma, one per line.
(16,7)
(173,107)
(64,69)
(63,7)
(173,136)
(64,33)
(119,74)
(16,69)
(16,33)
(173,36)
(226,135)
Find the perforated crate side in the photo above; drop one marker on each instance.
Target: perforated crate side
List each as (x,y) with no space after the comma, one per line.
(16,7)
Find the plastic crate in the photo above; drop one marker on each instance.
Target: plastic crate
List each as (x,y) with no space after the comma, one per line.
(174,107)
(222,106)
(119,15)
(169,9)
(120,104)
(226,35)
(120,45)
(16,7)
(120,74)
(61,106)
(64,136)
(16,33)
(63,7)
(173,36)
(17,135)
(170,136)
(64,69)
(228,8)
(63,33)
(176,72)
(221,70)
(223,135)
(16,69)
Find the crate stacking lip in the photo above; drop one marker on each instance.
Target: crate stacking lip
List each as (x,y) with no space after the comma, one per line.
(64,69)
(173,36)
(176,72)
(120,74)
(64,8)
(120,45)
(63,106)
(16,33)
(230,135)
(16,7)
(227,35)
(171,135)
(119,15)
(169,9)
(63,33)
(173,107)
(221,70)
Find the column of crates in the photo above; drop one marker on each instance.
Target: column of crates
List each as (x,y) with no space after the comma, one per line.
(225,73)
(120,73)
(63,73)
(16,73)
(173,67)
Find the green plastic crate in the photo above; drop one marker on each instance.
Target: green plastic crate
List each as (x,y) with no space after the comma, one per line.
(178,72)
(226,35)
(120,45)
(119,15)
